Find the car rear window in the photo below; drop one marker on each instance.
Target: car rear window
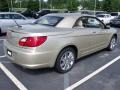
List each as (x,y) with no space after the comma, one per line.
(17,16)
(49,20)
(114,14)
(5,16)
(100,15)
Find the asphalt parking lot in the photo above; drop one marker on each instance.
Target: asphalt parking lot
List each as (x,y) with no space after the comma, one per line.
(99,71)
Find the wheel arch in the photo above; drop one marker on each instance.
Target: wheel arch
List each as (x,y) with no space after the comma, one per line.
(57,65)
(67,46)
(112,35)
(70,46)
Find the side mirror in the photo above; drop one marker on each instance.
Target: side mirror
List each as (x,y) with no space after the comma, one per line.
(107,27)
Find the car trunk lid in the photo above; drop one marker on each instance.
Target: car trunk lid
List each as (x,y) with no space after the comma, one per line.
(16,33)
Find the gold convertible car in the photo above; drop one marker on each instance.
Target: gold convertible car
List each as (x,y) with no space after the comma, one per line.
(57,40)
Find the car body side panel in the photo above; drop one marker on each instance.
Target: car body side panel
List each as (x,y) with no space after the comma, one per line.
(83,39)
(86,40)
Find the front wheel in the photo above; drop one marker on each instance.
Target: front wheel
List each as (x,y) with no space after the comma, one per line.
(65,60)
(113,43)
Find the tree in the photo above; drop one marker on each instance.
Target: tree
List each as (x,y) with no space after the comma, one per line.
(33,5)
(90,4)
(98,5)
(4,5)
(57,4)
(72,5)
(107,5)
(116,5)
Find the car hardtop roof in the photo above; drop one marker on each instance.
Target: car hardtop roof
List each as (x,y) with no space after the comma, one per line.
(73,15)
(9,13)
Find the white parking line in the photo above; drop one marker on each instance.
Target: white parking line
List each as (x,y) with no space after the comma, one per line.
(8,62)
(3,56)
(92,74)
(12,78)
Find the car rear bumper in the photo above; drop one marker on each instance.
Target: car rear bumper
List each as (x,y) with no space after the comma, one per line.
(29,59)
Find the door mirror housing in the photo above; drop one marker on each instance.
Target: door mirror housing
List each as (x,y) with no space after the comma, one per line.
(107,26)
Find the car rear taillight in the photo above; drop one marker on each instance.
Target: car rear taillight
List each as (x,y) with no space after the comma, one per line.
(32,41)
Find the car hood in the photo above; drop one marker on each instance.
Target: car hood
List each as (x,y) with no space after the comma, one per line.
(40,29)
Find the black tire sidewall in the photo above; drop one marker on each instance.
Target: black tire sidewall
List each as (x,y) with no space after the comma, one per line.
(57,64)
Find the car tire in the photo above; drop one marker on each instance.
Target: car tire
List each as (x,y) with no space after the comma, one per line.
(65,60)
(112,43)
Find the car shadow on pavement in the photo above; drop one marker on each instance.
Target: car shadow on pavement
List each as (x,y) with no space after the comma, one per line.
(34,71)
(51,70)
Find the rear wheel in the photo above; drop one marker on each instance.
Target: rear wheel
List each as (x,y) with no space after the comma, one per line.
(112,44)
(65,60)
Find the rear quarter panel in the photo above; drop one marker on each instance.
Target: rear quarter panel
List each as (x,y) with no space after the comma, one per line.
(57,43)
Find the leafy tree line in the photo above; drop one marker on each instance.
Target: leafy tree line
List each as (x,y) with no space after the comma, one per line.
(3,5)
(71,5)
(33,5)
(104,5)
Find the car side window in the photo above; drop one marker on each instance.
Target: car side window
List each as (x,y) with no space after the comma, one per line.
(91,22)
(1,16)
(7,16)
(17,16)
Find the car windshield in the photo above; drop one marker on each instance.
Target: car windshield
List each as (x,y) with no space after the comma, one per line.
(100,15)
(49,20)
(114,14)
